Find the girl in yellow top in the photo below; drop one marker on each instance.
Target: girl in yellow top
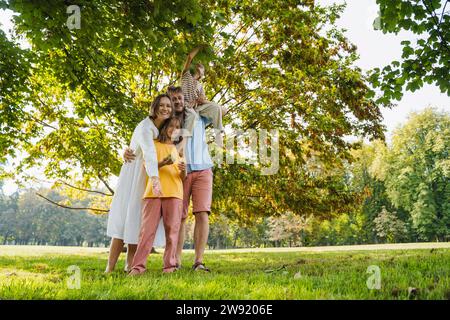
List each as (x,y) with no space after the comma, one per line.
(169,204)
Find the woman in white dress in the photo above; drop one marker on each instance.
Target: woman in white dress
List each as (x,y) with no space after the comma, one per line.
(125,213)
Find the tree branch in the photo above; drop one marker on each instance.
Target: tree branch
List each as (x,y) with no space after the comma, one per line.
(443,12)
(67,184)
(106,184)
(438,26)
(71,208)
(235,33)
(215,94)
(238,104)
(42,123)
(87,190)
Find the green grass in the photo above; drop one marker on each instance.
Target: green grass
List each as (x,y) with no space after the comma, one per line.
(262,275)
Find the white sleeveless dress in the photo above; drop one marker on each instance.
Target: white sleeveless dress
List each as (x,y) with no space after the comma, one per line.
(124,220)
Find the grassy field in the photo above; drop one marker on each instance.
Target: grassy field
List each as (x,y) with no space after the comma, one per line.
(42,273)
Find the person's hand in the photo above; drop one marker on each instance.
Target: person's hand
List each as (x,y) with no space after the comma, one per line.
(197,49)
(166,161)
(157,192)
(182,166)
(191,105)
(128,155)
(202,100)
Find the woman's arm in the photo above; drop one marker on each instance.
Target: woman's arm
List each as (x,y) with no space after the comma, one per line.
(145,139)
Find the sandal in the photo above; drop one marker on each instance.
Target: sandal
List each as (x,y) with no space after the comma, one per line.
(135,273)
(200,266)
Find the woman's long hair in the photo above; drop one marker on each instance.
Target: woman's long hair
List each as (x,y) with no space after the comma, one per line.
(155,106)
(163,136)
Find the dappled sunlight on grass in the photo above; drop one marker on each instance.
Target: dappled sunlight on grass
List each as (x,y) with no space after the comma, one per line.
(7,274)
(263,275)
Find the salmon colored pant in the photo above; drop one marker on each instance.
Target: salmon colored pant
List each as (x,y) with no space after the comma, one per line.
(171,211)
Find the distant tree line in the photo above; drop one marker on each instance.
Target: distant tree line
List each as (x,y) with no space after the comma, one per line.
(26,219)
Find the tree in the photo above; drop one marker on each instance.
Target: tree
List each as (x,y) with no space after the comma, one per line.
(8,213)
(425,61)
(390,228)
(219,233)
(288,228)
(87,88)
(14,72)
(28,219)
(280,65)
(343,229)
(372,192)
(416,172)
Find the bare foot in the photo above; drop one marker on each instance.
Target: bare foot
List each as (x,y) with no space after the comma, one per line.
(170,270)
(109,270)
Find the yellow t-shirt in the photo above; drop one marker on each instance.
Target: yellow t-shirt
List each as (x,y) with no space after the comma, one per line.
(169,175)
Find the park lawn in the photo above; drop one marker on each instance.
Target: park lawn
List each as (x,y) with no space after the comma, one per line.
(262,275)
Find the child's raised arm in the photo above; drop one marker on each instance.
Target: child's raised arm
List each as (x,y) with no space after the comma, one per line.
(189,59)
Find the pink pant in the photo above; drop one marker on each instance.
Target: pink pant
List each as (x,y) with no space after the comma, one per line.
(171,211)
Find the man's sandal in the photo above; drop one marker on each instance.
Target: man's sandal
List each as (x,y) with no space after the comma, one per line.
(200,266)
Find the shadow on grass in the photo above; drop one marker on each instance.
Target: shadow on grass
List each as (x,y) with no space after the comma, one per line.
(405,274)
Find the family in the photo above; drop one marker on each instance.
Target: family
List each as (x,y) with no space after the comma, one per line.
(166,164)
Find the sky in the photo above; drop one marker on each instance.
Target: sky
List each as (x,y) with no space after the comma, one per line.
(375,49)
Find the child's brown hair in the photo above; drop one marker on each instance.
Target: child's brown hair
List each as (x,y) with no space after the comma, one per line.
(163,136)
(194,67)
